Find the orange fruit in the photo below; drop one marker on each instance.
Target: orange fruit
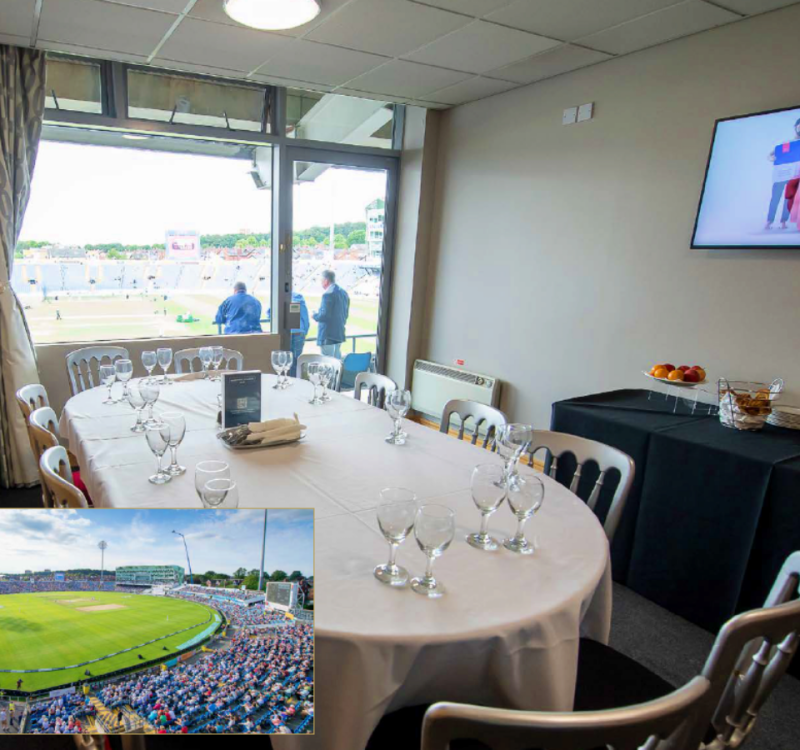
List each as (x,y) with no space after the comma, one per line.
(660,372)
(675,375)
(701,373)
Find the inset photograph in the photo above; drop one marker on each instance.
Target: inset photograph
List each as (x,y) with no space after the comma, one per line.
(157,621)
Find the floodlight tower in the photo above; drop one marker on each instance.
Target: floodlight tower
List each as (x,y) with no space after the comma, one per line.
(263,552)
(188,562)
(103,546)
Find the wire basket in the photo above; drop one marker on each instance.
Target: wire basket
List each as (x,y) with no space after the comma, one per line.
(745,405)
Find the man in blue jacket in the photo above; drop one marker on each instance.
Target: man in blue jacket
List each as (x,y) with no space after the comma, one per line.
(299,334)
(241,312)
(332,316)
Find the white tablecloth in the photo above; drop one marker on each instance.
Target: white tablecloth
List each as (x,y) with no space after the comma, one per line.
(507,631)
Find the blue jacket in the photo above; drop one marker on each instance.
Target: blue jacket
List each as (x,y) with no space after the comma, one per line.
(305,323)
(241,313)
(332,315)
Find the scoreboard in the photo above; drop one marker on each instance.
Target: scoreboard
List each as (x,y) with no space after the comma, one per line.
(282,595)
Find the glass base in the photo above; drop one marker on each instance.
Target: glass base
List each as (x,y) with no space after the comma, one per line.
(110,401)
(139,427)
(175,470)
(392,575)
(429,587)
(399,439)
(161,478)
(487,543)
(316,401)
(520,546)
(154,422)
(166,381)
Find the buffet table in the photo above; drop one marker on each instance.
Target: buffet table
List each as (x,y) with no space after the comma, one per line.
(507,630)
(713,512)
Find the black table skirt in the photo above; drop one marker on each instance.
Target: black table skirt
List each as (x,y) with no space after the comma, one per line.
(713,512)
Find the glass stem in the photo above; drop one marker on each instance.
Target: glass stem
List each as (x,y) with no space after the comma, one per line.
(158,464)
(392,555)
(429,569)
(520,535)
(397,428)
(173,450)
(484,525)
(109,392)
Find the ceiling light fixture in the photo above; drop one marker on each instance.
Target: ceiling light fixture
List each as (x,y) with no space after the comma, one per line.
(272,14)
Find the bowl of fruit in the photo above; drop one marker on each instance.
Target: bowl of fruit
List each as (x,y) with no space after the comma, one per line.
(681,376)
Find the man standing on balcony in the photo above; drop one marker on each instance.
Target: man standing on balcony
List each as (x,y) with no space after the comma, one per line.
(241,312)
(332,316)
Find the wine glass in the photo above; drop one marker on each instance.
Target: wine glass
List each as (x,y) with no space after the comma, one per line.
(124,370)
(315,376)
(220,493)
(512,441)
(277,358)
(488,491)
(150,390)
(164,357)
(177,430)
(217,355)
(434,529)
(107,377)
(149,360)
(525,497)
(287,366)
(158,439)
(137,402)
(327,376)
(206,354)
(205,471)
(397,404)
(396,512)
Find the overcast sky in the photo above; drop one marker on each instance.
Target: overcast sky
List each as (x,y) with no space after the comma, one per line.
(93,194)
(221,541)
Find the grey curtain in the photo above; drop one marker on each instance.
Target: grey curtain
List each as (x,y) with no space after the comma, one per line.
(22,87)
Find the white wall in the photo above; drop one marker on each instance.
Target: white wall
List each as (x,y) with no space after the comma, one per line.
(560,255)
(256,349)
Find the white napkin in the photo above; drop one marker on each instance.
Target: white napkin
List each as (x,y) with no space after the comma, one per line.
(275,431)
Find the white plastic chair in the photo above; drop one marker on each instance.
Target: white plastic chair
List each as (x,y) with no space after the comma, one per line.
(378,388)
(483,417)
(59,490)
(44,430)
(305,359)
(31,397)
(82,362)
(557,444)
(231,359)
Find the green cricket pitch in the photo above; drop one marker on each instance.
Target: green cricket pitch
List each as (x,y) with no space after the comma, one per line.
(65,628)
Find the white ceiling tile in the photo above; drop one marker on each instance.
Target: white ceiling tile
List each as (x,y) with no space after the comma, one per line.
(370,95)
(679,20)
(319,63)
(13,40)
(90,23)
(470,90)
(229,47)
(208,70)
(211,10)
(386,27)
(170,6)
(291,83)
(481,46)
(102,54)
(571,19)
(549,64)
(16,18)
(405,79)
(428,105)
(476,8)
(752,7)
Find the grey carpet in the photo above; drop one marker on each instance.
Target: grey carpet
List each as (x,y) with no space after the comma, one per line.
(675,649)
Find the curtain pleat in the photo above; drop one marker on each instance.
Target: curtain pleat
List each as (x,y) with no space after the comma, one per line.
(22,92)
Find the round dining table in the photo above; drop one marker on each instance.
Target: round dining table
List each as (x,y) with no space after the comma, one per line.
(506,631)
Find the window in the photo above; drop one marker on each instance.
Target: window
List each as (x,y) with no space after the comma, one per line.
(339,119)
(131,242)
(73,85)
(194,101)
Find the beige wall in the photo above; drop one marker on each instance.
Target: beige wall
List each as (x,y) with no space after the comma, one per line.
(561,259)
(256,350)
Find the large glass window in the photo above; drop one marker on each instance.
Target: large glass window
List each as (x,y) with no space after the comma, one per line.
(73,85)
(130,242)
(339,119)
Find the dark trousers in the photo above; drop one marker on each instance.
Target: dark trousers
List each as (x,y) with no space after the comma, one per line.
(778,194)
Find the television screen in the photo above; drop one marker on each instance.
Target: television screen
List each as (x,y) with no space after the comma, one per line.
(750,197)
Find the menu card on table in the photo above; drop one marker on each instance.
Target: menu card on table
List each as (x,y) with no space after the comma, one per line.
(241,398)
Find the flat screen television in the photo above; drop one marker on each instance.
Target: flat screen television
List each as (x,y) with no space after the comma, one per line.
(750,196)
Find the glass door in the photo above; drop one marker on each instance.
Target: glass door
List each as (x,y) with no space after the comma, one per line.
(341,223)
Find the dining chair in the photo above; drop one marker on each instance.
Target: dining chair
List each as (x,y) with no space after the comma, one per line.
(750,654)
(186,357)
(558,444)
(378,388)
(31,397)
(661,724)
(83,365)
(354,363)
(59,489)
(304,360)
(483,417)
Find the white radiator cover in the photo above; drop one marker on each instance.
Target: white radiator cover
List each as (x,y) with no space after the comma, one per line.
(433,385)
